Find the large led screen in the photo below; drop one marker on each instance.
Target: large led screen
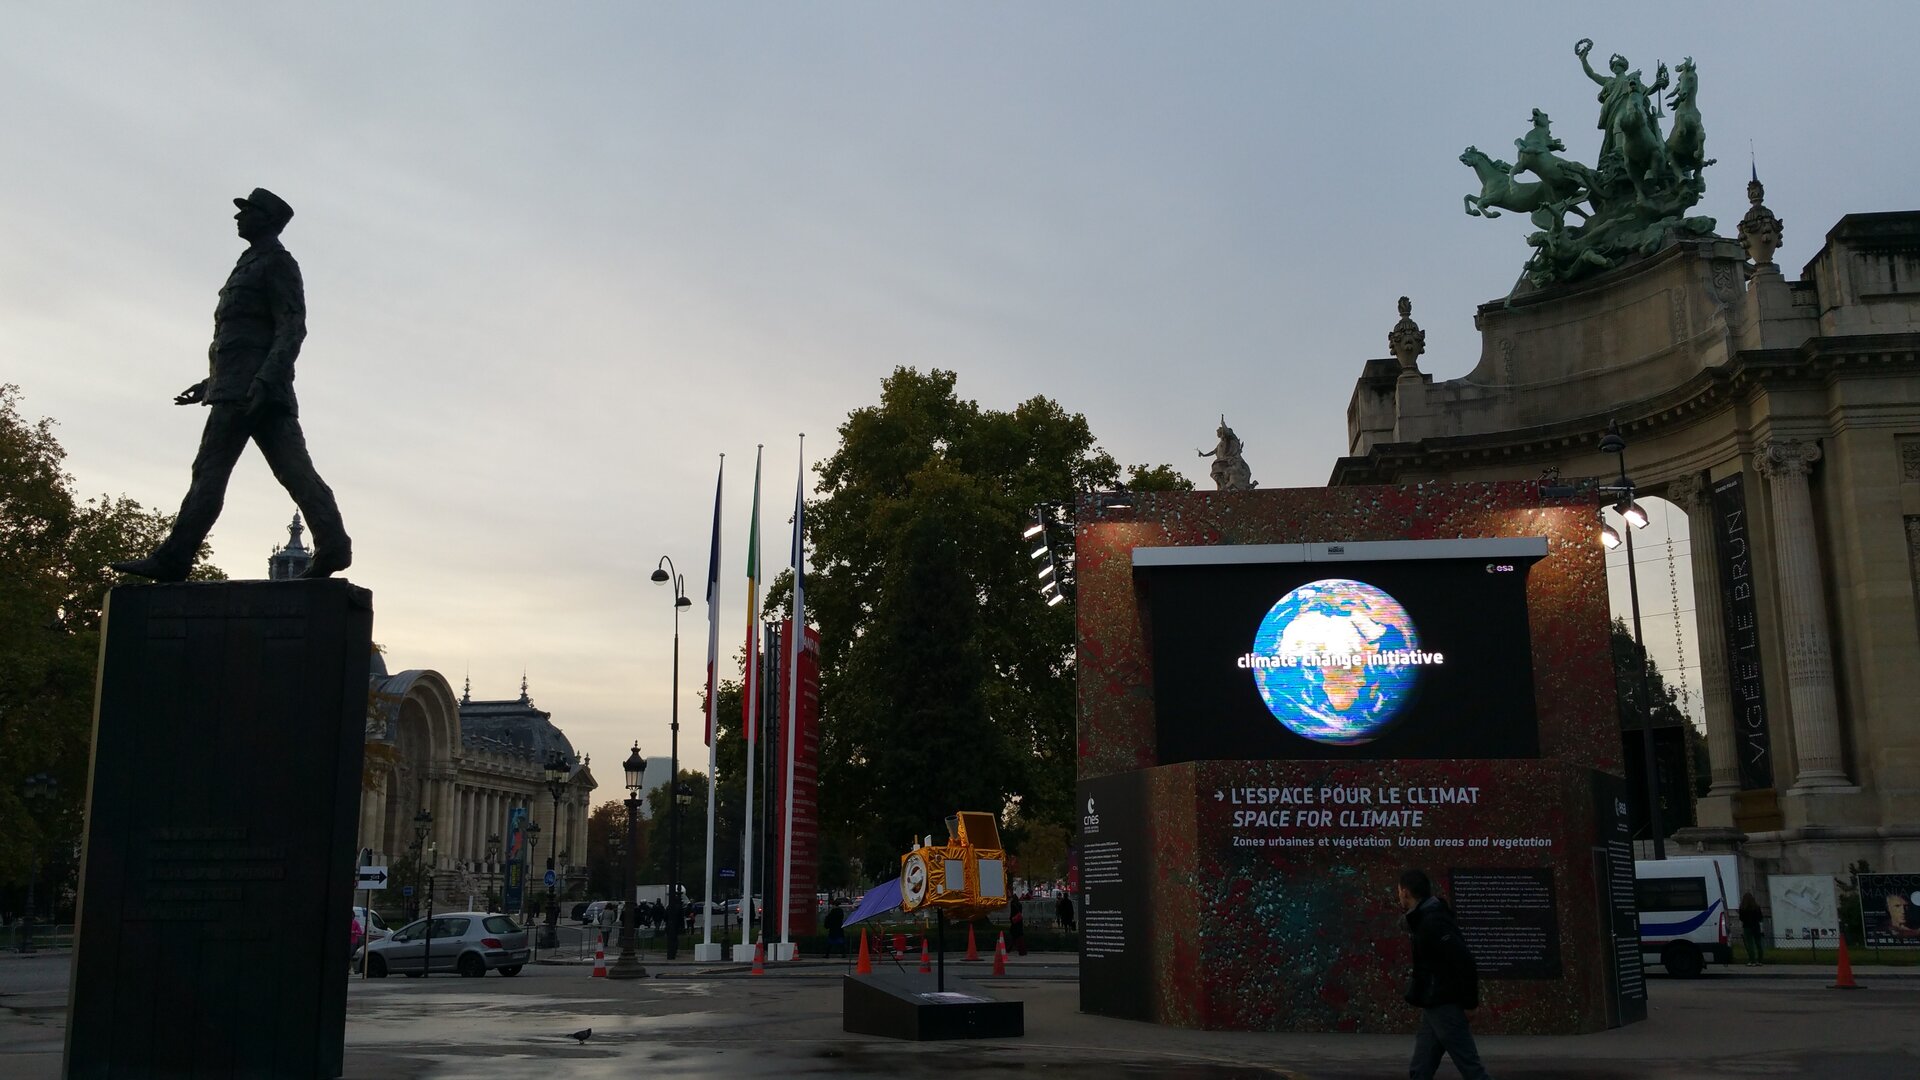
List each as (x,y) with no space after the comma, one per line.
(1411,650)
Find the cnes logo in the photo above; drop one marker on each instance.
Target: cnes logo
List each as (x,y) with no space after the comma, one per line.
(1091,822)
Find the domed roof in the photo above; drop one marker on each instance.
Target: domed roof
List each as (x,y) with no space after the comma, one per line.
(517,725)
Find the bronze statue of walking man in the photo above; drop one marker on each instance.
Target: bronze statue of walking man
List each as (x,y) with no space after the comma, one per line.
(258,326)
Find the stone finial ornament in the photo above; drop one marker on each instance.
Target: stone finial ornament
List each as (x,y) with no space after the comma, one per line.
(1761,228)
(1229,471)
(1406,340)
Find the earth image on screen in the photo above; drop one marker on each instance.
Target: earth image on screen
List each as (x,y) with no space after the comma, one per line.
(1323,688)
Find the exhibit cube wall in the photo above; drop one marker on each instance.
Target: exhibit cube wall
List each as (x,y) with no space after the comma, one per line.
(1256,889)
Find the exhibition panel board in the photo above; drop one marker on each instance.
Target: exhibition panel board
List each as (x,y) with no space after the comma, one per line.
(1289,696)
(1260,894)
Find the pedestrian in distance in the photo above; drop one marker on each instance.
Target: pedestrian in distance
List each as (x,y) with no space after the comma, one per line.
(1751,919)
(836,929)
(1444,985)
(1063,910)
(609,918)
(1017,928)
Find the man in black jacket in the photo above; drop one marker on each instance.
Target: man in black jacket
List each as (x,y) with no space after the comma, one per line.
(1444,984)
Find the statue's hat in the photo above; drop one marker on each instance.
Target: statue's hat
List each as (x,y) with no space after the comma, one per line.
(262,199)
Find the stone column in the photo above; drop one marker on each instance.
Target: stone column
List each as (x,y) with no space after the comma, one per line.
(1694,494)
(1803,610)
(374,833)
(440,791)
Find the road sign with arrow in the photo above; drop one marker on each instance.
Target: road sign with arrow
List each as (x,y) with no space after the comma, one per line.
(372,877)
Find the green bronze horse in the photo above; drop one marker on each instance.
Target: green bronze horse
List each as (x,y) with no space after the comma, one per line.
(1499,188)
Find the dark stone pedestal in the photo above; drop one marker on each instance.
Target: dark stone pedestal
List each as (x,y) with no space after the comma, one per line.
(222,809)
(907,1006)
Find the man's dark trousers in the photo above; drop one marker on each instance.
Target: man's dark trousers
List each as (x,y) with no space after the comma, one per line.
(1443,1030)
(277,432)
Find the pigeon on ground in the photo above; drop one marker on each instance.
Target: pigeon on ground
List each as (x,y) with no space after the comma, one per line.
(583,1035)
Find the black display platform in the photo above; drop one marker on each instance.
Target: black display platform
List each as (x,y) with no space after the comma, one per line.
(223,800)
(908,1006)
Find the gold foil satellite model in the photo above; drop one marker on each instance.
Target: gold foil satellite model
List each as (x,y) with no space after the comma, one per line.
(965,878)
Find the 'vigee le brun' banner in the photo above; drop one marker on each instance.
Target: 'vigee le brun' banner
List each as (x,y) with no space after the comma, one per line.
(1733,547)
(1287,697)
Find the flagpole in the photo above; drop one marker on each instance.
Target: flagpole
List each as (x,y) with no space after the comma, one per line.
(713,742)
(792,731)
(751,704)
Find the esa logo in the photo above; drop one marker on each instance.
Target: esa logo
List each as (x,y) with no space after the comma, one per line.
(1091,822)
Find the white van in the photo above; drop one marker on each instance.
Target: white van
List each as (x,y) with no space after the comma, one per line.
(1686,905)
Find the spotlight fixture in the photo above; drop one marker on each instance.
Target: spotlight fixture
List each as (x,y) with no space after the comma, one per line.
(1609,539)
(1635,515)
(1045,571)
(1033,530)
(1056,598)
(1038,553)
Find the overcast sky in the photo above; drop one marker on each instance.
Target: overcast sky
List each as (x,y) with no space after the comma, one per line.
(559,258)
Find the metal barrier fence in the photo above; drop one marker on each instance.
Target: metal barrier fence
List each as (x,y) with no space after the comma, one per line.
(22,938)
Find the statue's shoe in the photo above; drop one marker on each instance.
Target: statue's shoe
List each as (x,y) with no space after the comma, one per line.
(329,561)
(155,567)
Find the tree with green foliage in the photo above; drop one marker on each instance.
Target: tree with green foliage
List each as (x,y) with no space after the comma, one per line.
(657,833)
(947,682)
(55,553)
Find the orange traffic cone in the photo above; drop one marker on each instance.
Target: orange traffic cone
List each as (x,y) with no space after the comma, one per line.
(1000,955)
(865,966)
(599,962)
(760,955)
(1843,978)
(926,966)
(973,951)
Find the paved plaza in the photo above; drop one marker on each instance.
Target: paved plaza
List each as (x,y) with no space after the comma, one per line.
(689,1022)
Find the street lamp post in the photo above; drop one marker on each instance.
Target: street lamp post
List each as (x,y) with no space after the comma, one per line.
(422,826)
(39,789)
(493,867)
(628,964)
(665,571)
(1632,517)
(526,893)
(557,786)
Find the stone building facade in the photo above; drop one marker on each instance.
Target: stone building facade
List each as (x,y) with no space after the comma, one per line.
(467,762)
(1730,383)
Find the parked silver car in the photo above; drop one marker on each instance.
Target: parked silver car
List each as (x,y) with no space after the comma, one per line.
(469,942)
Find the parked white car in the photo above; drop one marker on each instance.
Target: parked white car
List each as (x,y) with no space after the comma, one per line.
(469,942)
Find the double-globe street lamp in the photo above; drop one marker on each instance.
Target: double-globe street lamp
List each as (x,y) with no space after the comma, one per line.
(1633,518)
(628,965)
(662,572)
(557,771)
